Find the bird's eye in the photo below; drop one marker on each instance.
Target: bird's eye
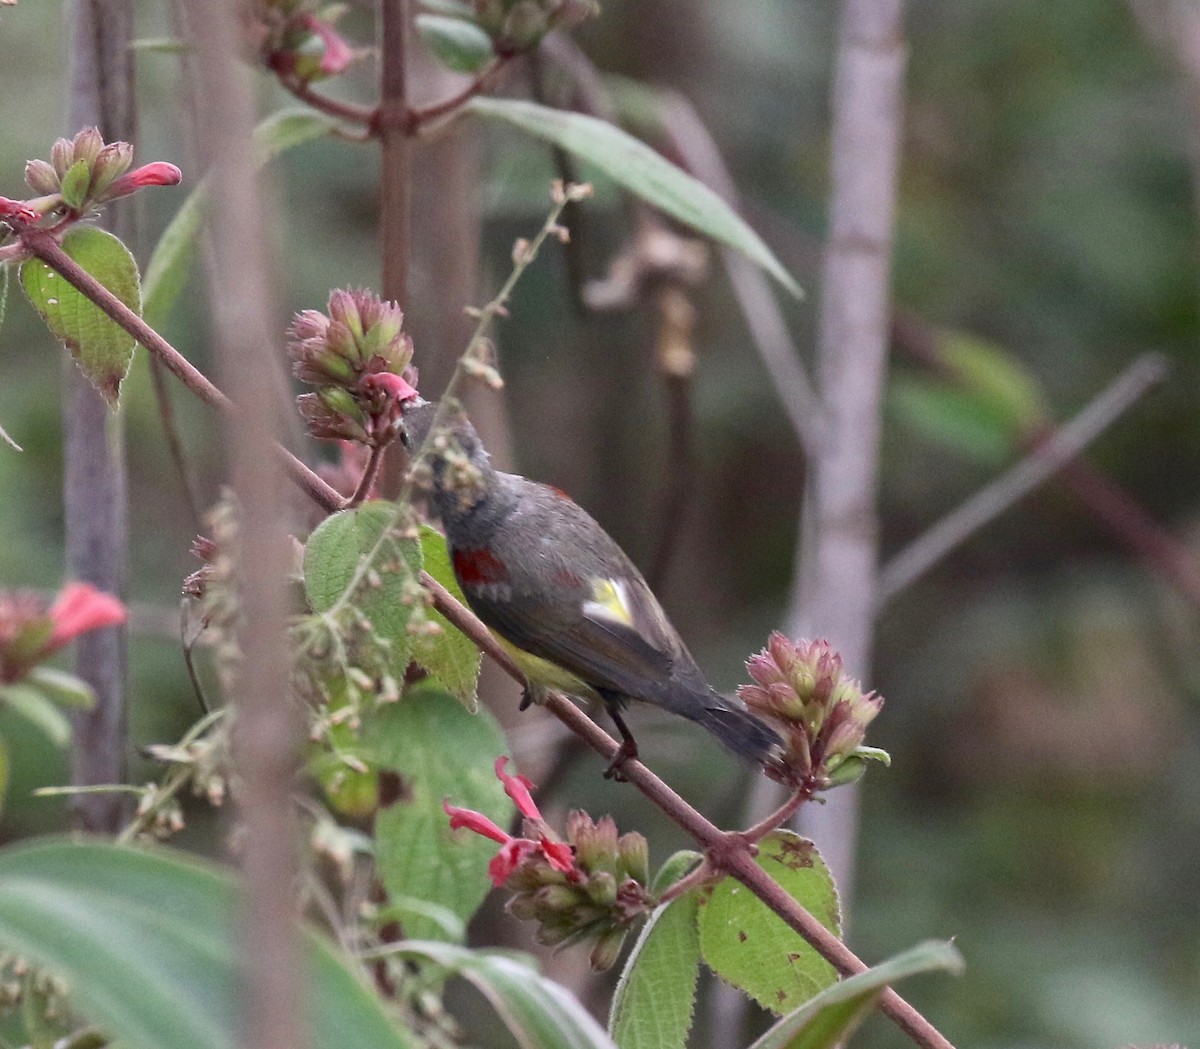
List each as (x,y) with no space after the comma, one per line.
(403,435)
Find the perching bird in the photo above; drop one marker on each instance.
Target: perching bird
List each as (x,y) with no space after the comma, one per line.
(575,613)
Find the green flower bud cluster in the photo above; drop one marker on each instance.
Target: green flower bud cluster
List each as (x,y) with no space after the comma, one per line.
(84,172)
(355,356)
(801,688)
(601,897)
(519,25)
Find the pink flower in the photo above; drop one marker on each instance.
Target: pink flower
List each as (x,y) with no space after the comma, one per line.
(160,173)
(80,608)
(16,209)
(515,851)
(338,54)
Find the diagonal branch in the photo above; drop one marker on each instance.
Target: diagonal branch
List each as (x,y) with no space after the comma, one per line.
(1043,463)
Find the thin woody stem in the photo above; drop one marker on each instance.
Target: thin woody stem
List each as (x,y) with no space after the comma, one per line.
(419,118)
(780,816)
(370,473)
(348,111)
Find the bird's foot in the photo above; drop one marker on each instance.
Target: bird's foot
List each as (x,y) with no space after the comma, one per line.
(627,751)
(533,696)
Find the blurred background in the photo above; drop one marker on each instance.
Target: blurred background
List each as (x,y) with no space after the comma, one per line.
(1043,807)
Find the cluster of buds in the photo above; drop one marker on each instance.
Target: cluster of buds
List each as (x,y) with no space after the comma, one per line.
(355,356)
(30,632)
(296,39)
(592,886)
(206,762)
(802,689)
(83,173)
(519,25)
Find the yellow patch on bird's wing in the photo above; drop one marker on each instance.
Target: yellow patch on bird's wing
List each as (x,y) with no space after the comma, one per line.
(610,600)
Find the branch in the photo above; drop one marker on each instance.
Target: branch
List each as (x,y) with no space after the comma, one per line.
(1043,463)
(45,247)
(351,112)
(420,118)
(729,852)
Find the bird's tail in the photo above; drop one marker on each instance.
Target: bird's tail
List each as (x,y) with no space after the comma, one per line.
(750,738)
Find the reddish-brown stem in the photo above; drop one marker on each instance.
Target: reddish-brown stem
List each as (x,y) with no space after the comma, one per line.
(698,876)
(42,245)
(370,473)
(732,853)
(418,118)
(780,816)
(349,111)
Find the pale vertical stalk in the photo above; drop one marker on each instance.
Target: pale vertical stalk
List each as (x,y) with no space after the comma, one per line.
(94,489)
(267,730)
(838,560)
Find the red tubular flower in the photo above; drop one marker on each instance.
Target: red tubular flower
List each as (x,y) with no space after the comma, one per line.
(80,608)
(475,821)
(160,173)
(518,788)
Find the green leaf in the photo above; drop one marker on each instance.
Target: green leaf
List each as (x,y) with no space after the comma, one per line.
(149,943)
(100,347)
(639,169)
(965,421)
(676,866)
(459,44)
(539,1013)
(749,946)
(450,656)
(39,711)
(997,376)
(168,267)
(832,1016)
(65,689)
(335,554)
(440,753)
(653,1003)
(75,184)
(452,8)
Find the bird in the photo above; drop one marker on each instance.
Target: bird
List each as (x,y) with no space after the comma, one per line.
(561,596)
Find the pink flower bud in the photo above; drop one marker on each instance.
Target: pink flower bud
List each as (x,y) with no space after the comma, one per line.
(111,163)
(338,54)
(398,390)
(41,177)
(516,787)
(16,209)
(87,145)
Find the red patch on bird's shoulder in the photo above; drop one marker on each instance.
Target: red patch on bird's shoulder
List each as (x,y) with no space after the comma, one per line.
(559,492)
(478,567)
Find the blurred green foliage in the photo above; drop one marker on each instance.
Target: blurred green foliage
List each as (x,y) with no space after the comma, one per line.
(1044,801)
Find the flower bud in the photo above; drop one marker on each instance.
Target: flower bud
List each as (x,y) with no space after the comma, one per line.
(111,162)
(607,949)
(41,177)
(634,857)
(87,145)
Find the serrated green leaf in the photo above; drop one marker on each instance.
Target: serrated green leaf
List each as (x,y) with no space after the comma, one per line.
(639,169)
(539,1013)
(965,421)
(749,946)
(38,710)
(100,347)
(458,44)
(335,553)
(171,261)
(440,753)
(829,1019)
(655,997)
(65,689)
(75,182)
(450,656)
(149,944)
